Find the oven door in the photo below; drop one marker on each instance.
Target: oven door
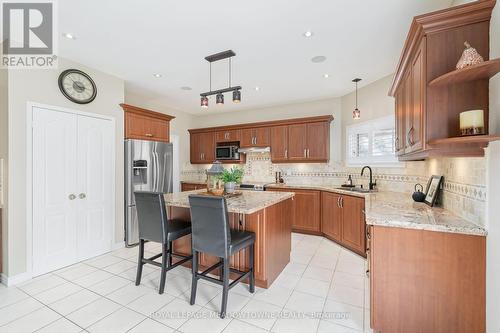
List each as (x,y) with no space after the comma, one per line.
(224,153)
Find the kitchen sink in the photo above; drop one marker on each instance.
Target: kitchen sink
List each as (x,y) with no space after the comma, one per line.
(355,189)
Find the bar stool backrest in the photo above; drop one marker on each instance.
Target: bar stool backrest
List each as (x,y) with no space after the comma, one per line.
(210,225)
(152,216)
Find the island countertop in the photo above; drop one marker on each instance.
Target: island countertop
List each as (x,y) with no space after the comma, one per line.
(395,209)
(248,202)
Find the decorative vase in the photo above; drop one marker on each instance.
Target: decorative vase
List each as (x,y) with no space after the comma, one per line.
(229,187)
(469,57)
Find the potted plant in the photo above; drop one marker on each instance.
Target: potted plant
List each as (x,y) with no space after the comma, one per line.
(231,178)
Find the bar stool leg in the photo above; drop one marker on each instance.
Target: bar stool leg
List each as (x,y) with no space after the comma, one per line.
(252,267)
(194,278)
(139,262)
(170,249)
(164,257)
(225,287)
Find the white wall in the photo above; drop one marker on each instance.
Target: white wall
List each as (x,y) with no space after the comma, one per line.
(4,141)
(180,125)
(298,110)
(373,102)
(41,86)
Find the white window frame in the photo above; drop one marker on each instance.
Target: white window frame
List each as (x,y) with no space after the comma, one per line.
(369,127)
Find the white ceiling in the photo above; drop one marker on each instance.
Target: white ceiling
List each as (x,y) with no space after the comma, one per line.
(134,39)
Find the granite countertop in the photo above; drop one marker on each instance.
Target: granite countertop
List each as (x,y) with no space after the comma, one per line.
(248,202)
(395,209)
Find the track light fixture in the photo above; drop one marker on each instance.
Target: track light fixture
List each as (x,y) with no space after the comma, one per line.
(219,99)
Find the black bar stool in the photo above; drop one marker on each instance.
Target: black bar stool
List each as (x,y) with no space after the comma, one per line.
(211,234)
(154,226)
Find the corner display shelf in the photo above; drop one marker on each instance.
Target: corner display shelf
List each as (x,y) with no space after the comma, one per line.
(479,140)
(480,71)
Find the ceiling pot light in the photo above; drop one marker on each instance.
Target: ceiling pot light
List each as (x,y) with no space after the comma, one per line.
(356,114)
(69,35)
(308,34)
(236,96)
(219,99)
(257,88)
(318,59)
(157,75)
(204,102)
(186,88)
(326,76)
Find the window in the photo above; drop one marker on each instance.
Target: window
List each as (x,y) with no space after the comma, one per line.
(371,142)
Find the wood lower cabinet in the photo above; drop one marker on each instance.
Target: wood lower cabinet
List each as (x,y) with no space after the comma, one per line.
(143,124)
(426,281)
(331,216)
(192,186)
(307,210)
(202,148)
(343,220)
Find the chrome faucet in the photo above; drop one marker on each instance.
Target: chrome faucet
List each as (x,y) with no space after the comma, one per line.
(371,184)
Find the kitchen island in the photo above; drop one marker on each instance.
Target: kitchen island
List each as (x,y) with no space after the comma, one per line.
(267,214)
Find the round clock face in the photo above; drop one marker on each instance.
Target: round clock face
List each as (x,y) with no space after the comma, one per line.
(77,86)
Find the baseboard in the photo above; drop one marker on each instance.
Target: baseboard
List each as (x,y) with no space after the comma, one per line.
(117,246)
(16,279)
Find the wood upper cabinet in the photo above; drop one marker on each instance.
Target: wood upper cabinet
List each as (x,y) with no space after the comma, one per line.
(143,124)
(318,141)
(353,223)
(279,143)
(228,135)
(297,142)
(202,147)
(255,137)
(429,124)
(331,216)
(290,140)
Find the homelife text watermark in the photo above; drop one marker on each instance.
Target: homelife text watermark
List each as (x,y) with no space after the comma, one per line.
(29,34)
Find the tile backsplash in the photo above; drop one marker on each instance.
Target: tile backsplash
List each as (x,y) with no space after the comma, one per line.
(464,190)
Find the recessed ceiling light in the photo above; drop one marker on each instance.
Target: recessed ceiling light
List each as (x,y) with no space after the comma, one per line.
(326,76)
(186,88)
(318,59)
(157,75)
(69,36)
(308,34)
(257,88)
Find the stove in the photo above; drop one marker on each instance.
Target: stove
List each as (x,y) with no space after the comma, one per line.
(253,186)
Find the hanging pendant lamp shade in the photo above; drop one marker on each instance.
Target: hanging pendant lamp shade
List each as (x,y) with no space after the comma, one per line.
(204,102)
(356,114)
(236,96)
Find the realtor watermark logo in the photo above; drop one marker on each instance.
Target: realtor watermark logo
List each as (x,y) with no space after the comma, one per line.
(29,34)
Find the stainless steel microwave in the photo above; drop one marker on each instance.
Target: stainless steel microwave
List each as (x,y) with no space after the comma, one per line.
(227,153)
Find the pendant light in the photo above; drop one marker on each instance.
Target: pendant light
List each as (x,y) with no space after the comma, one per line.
(356,114)
(219,94)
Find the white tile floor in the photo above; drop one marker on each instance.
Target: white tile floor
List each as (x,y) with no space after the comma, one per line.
(99,295)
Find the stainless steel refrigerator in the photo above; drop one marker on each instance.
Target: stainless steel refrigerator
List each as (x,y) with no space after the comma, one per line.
(148,167)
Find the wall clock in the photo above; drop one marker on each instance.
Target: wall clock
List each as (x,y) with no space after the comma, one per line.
(77,86)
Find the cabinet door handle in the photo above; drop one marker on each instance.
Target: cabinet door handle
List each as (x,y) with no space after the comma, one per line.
(338,202)
(255,140)
(411,142)
(286,153)
(305,152)
(396,144)
(308,154)
(149,135)
(341,202)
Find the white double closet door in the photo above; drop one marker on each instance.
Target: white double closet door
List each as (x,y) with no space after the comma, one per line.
(73,172)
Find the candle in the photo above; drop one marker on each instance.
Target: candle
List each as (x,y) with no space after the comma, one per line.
(472,122)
